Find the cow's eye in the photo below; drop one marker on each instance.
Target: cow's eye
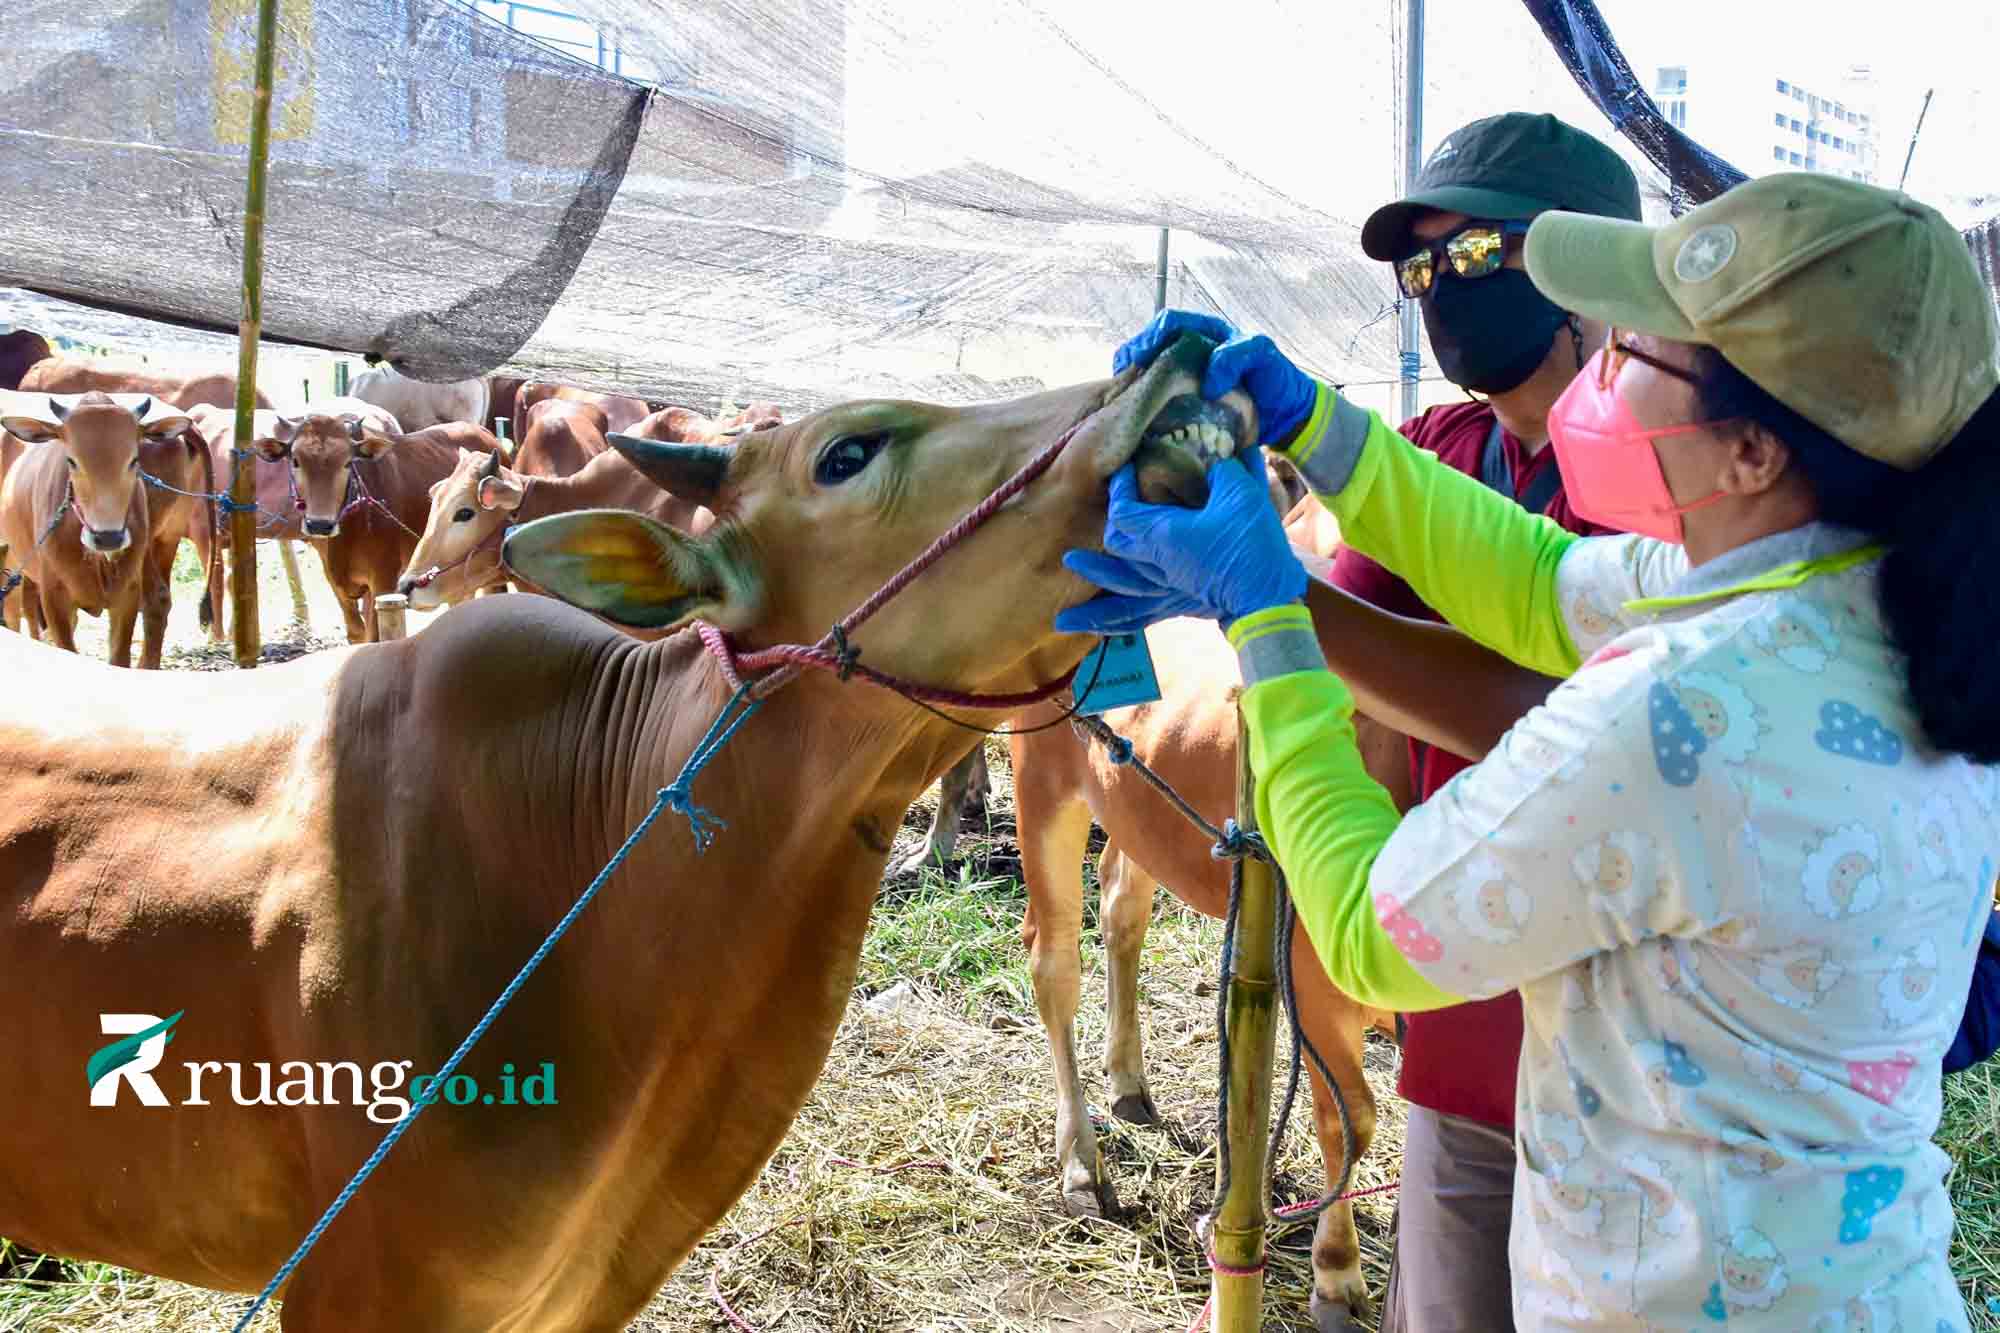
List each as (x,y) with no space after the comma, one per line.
(846,456)
(463,515)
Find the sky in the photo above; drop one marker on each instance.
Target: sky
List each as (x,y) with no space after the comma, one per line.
(1952,46)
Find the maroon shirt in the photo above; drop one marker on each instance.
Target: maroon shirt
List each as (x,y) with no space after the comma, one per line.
(1462,1060)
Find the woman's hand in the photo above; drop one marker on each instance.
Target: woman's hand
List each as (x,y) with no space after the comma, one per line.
(1282,392)
(1224,560)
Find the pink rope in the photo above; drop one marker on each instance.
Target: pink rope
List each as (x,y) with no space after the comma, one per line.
(791,658)
(715,1286)
(1294,1209)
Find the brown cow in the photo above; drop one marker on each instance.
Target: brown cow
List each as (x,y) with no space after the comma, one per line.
(472,509)
(363,495)
(73,514)
(56,374)
(561,436)
(1061,783)
(340,861)
(621,412)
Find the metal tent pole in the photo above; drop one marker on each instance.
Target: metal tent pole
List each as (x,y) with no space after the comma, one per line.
(1160,276)
(1413,160)
(242,474)
(1237,1240)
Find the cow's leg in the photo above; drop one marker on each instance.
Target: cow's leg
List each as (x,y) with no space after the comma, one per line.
(1124,910)
(956,791)
(292,580)
(368,615)
(31,608)
(59,616)
(1337,1027)
(1054,836)
(350,609)
(156,603)
(124,619)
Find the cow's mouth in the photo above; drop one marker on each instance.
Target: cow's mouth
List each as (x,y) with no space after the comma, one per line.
(1186,434)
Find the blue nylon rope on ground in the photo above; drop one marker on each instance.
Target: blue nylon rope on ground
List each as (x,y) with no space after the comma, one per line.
(674,796)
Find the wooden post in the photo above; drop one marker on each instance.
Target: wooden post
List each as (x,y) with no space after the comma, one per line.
(389,622)
(242,474)
(1238,1238)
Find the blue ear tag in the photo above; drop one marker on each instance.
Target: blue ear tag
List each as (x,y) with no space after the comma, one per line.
(1122,665)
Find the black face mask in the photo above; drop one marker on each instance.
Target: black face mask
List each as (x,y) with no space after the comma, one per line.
(1489,334)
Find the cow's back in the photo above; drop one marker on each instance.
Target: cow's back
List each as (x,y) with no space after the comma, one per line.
(562,437)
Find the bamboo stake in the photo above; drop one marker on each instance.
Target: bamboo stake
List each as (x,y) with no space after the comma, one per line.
(1238,1238)
(242,474)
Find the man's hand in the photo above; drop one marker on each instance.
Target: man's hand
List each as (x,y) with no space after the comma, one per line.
(1282,392)
(1222,561)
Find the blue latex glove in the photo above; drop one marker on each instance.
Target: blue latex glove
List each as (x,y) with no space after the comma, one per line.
(1224,560)
(1282,392)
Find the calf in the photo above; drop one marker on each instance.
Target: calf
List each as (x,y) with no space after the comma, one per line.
(73,515)
(1062,782)
(362,494)
(346,857)
(472,509)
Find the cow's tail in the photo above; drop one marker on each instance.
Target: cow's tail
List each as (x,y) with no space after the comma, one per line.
(211,603)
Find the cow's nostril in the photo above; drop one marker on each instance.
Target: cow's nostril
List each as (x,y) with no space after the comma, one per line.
(319,527)
(406,586)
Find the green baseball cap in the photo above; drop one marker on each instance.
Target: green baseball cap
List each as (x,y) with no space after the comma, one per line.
(1507,168)
(1857,307)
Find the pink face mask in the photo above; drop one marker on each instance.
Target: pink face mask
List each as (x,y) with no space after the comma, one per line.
(1609,469)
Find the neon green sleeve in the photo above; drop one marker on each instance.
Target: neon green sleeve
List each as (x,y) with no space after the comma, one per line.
(1325,819)
(1477,558)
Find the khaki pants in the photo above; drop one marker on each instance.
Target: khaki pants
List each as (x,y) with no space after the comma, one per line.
(1449,1271)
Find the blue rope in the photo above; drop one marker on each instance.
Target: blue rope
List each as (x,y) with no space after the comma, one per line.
(675,796)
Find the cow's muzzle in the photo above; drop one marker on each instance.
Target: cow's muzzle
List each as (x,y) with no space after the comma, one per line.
(107,541)
(322,527)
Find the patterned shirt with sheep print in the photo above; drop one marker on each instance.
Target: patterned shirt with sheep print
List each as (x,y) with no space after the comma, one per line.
(1739,894)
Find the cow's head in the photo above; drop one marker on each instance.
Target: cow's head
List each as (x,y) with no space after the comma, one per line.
(813,517)
(321,449)
(100,441)
(461,537)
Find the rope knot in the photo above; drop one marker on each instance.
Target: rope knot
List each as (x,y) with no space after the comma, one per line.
(1119,749)
(845,654)
(701,820)
(1238,844)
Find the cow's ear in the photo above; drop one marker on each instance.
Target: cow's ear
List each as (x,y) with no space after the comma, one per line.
(502,492)
(368,443)
(32,429)
(165,428)
(634,571)
(270,448)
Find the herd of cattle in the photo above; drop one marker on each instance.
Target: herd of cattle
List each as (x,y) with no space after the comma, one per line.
(96,497)
(402,486)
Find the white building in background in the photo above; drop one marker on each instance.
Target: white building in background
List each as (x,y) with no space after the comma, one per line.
(1761,117)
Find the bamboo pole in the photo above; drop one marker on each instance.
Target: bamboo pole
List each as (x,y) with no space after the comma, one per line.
(389,611)
(243,474)
(1238,1238)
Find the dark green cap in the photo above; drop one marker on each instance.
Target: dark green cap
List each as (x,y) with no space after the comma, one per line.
(1508,168)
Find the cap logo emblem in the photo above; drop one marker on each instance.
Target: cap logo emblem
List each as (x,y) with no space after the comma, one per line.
(1706,253)
(1443,151)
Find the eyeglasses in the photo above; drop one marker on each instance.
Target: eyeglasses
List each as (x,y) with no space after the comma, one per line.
(1476,250)
(1617,352)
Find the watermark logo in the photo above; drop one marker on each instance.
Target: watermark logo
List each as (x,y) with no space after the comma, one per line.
(142,1045)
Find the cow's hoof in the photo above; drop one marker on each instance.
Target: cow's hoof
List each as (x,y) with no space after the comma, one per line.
(1083,1197)
(1136,1108)
(1336,1316)
(924,857)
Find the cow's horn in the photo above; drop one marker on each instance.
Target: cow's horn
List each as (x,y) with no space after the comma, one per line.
(354,429)
(58,411)
(492,468)
(145,406)
(691,471)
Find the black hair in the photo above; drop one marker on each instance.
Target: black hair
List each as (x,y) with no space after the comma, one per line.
(1939,584)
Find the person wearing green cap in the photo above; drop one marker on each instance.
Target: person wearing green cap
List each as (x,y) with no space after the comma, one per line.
(1738,863)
